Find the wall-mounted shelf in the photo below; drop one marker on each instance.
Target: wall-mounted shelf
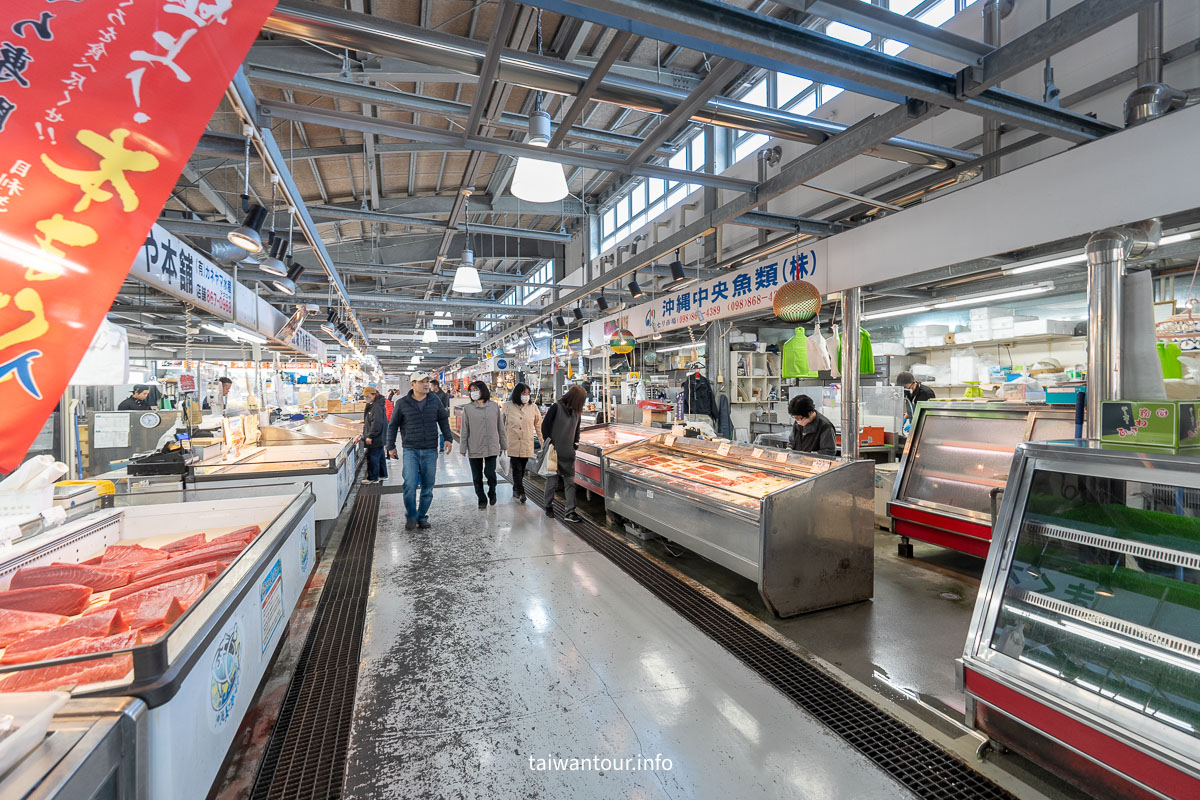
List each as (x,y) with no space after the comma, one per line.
(1007,341)
(761,378)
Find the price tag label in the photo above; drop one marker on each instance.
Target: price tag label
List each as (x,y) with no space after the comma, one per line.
(781,457)
(723,450)
(756,453)
(669,440)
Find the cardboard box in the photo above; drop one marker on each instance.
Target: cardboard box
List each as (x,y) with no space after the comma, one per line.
(1155,423)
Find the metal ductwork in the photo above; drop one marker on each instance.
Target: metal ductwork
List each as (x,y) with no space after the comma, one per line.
(1107,254)
(347,29)
(224,251)
(1152,98)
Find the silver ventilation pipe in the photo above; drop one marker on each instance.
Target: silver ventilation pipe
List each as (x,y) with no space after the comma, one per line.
(336,27)
(1152,98)
(851,374)
(1107,254)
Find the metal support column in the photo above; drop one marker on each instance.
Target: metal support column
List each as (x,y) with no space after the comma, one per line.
(1150,44)
(1106,268)
(851,376)
(991,126)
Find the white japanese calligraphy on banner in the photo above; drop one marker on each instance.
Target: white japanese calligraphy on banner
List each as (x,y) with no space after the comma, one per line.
(746,291)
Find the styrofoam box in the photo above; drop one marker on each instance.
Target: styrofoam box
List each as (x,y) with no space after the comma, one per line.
(988,313)
(33,712)
(1005,323)
(1037,327)
(927,330)
(980,325)
(967,337)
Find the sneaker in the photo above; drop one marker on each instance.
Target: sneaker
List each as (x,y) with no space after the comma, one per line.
(409,524)
(367,481)
(571,516)
(424,525)
(550,512)
(520,498)
(492,497)
(482,505)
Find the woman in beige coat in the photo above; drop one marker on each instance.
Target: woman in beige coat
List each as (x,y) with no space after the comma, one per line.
(522,421)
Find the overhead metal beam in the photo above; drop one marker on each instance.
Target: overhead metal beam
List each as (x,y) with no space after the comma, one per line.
(491,62)
(341,28)
(682,113)
(210,194)
(402,130)
(480,203)
(329,212)
(890,25)
(782,222)
(721,29)
(590,87)
(364,302)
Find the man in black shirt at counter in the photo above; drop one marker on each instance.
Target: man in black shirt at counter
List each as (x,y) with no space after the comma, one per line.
(914,392)
(813,432)
(137,400)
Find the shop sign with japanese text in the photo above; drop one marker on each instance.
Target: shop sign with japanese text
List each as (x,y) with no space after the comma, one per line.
(167,263)
(101,104)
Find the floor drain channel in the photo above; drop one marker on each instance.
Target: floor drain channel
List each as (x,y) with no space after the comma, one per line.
(305,758)
(919,764)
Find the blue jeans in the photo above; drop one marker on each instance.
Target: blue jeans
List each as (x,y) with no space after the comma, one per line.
(376,463)
(420,468)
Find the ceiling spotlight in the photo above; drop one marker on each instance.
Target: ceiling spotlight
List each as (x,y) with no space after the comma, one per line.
(578,312)
(273,263)
(329,325)
(247,236)
(679,278)
(635,291)
(602,303)
(287,283)
(534,180)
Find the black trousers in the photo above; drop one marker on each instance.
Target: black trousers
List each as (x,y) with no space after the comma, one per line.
(518,475)
(481,467)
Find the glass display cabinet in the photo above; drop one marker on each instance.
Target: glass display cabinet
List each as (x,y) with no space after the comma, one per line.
(955,468)
(595,442)
(800,526)
(1084,648)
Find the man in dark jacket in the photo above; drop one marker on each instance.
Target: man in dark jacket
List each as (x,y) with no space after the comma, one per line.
(914,392)
(375,426)
(435,389)
(137,400)
(419,417)
(813,432)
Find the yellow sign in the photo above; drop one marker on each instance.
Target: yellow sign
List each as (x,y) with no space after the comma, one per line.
(635,376)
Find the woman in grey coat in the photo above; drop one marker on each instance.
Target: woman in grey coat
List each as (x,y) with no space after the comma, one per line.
(482,439)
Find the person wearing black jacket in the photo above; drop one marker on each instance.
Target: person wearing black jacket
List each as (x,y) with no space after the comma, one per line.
(418,417)
(375,423)
(914,392)
(813,432)
(138,400)
(560,427)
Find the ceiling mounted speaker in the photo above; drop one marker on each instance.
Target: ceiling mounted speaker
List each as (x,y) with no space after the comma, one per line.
(797,301)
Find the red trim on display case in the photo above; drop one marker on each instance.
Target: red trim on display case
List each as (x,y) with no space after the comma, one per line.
(1127,761)
(972,538)
(589,476)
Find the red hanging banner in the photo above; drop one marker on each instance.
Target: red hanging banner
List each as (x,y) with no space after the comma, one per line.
(101,104)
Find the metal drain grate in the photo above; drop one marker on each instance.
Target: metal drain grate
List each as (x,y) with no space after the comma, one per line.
(306,755)
(919,764)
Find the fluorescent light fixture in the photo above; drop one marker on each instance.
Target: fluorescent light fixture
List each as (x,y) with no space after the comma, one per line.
(988,298)
(244,335)
(1176,238)
(430,335)
(1057,262)
(534,180)
(678,347)
(898,312)
(213,328)
(443,322)
(387,348)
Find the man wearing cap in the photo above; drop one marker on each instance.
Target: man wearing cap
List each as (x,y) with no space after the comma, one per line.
(226,385)
(914,392)
(137,400)
(418,417)
(375,424)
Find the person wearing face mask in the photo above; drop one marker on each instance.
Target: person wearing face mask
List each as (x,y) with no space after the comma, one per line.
(522,420)
(482,439)
(914,392)
(813,432)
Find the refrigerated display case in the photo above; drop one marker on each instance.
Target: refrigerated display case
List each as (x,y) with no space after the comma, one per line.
(198,673)
(800,526)
(316,432)
(955,468)
(596,442)
(1084,648)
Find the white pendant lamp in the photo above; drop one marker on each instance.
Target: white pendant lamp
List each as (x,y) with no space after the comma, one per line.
(430,335)
(534,180)
(466,277)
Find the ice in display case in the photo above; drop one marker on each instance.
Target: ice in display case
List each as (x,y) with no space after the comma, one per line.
(198,673)
(598,440)
(800,526)
(955,468)
(1084,648)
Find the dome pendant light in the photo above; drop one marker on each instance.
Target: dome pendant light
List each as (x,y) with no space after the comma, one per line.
(247,236)
(466,277)
(534,180)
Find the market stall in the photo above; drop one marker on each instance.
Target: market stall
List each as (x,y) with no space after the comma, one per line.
(188,596)
(599,440)
(800,526)
(1084,648)
(955,468)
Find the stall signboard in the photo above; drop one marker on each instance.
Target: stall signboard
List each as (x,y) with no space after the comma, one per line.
(165,262)
(1165,423)
(93,137)
(749,290)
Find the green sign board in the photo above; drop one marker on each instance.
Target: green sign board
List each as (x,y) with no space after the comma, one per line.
(1165,423)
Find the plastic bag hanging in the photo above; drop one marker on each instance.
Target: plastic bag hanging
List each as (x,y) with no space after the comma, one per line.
(818,351)
(833,345)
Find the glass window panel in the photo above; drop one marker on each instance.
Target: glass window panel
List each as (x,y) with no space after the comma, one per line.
(679,160)
(904,6)
(1103,591)
(608,221)
(623,211)
(893,48)
(696,146)
(830,92)
(847,33)
(657,187)
(938,14)
(790,86)
(637,222)
(676,196)
(750,145)
(757,96)
(638,198)
(657,209)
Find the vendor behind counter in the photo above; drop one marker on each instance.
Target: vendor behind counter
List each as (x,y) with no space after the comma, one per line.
(812,432)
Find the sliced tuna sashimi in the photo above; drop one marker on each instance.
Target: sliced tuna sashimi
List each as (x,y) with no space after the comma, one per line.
(63,598)
(81,673)
(210,569)
(121,555)
(99,578)
(186,543)
(153,606)
(93,626)
(106,644)
(151,634)
(161,612)
(246,534)
(17,624)
(191,558)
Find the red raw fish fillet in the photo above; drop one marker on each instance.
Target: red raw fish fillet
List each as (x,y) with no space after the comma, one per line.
(17,624)
(82,647)
(200,555)
(99,578)
(93,626)
(63,598)
(186,543)
(151,634)
(44,679)
(123,555)
(159,604)
(245,534)
(210,569)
